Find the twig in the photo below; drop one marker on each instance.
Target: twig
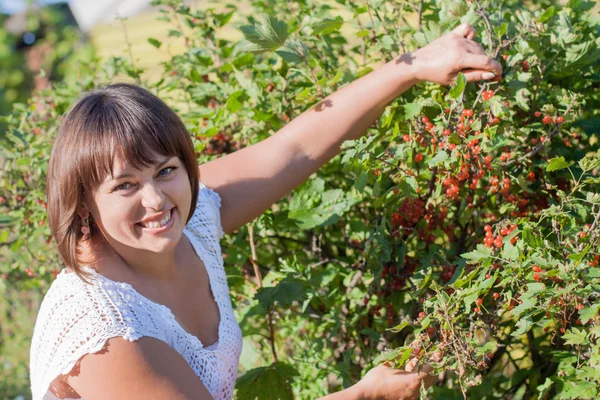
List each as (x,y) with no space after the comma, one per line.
(137,75)
(420,15)
(254,262)
(485,17)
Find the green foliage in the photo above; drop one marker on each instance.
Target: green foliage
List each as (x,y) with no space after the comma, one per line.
(387,244)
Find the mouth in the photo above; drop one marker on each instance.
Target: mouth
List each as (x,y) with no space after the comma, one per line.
(158,226)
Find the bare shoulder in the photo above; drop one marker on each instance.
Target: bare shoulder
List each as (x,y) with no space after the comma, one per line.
(143,369)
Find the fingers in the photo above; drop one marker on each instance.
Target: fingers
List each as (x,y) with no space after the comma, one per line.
(410,365)
(474,47)
(466,31)
(481,62)
(478,75)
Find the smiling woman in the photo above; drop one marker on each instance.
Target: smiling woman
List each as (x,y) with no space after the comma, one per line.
(129,213)
(113,134)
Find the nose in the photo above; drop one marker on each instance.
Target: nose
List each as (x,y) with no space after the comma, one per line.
(152,197)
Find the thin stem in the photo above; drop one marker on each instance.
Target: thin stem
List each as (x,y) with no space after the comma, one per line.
(254,261)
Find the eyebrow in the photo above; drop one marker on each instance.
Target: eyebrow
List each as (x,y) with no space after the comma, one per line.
(128,175)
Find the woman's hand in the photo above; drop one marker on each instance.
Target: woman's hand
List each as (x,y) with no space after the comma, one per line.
(441,60)
(385,383)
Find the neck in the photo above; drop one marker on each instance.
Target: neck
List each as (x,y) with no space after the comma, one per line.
(145,265)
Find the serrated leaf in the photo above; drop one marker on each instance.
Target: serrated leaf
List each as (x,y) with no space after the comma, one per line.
(558,163)
(268,34)
(439,158)
(411,110)
(457,89)
(155,42)
(399,327)
(588,163)
(268,383)
(327,26)
(587,313)
(454,139)
(549,13)
(575,336)
(510,252)
(479,253)
(388,355)
(294,51)
(284,293)
(523,326)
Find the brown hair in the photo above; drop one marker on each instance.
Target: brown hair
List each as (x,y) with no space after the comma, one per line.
(119,118)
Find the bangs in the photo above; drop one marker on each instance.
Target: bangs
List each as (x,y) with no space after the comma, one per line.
(127,131)
(120,122)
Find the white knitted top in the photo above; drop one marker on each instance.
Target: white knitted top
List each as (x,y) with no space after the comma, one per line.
(76,318)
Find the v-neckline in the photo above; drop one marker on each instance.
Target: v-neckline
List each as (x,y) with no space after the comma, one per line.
(214,346)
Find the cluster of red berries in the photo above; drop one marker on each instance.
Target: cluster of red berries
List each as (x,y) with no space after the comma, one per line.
(395,278)
(524,66)
(490,241)
(219,144)
(487,94)
(448,272)
(434,220)
(547,119)
(409,213)
(595,261)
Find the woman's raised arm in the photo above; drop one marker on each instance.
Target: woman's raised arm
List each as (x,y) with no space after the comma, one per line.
(249,181)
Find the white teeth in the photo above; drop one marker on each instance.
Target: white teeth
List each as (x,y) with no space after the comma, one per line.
(158,224)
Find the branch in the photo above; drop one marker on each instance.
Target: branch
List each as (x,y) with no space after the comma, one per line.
(254,262)
(485,17)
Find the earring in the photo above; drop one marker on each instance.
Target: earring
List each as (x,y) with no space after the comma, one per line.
(85,228)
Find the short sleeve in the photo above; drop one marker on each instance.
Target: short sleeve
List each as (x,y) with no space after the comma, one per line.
(72,321)
(209,203)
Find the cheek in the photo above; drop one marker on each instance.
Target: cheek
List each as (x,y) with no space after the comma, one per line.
(115,213)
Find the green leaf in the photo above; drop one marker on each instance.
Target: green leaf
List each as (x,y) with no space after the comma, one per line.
(478,254)
(523,326)
(154,42)
(6,219)
(327,26)
(411,110)
(549,13)
(252,89)
(457,89)
(399,327)
(361,182)
(284,293)
(439,158)
(575,336)
(558,163)
(268,34)
(588,163)
(293,52)
(267,383)
(313,206)
(510,252)
(587,313)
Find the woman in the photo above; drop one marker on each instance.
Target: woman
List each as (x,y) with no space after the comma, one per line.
(142,309)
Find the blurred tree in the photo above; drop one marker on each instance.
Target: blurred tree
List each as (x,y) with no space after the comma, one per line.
(37,46)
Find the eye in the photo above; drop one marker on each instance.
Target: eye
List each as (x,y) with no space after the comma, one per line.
(122,186)
(167,171)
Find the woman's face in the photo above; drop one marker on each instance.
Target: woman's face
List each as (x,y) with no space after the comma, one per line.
(143,209)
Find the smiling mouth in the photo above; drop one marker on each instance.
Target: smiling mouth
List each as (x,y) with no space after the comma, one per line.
(158,224)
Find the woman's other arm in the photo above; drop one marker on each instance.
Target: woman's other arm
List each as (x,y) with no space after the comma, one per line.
(143,369)
(249,181)
(384,383)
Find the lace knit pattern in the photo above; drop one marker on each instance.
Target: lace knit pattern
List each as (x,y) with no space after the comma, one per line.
(76,318)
